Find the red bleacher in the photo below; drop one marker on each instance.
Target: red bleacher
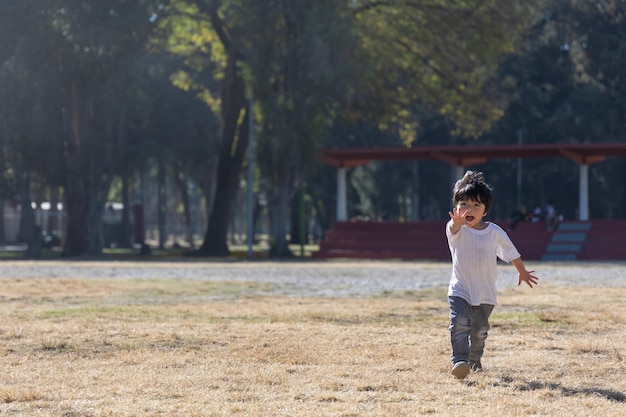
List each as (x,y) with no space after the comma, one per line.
(531,239)
(385,240)
(605,241)
(427,240)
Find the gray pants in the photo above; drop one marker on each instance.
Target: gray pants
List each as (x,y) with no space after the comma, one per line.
(468,329)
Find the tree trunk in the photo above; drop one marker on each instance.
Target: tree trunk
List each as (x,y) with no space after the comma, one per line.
(229,169)
(279,198)
(87,183)
(161,203)
(33,251)
(124,237)
(181,182)
(415,192)
(296,233)
(53,225)
(2,232)
(97,194)
(256,215)
(77,236)
(322,217)
(209,186)
(233,145)
(85,203)
(31,232)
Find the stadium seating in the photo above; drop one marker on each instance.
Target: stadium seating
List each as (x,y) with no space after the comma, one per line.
(592,240)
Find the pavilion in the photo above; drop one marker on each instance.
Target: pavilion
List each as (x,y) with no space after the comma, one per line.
(460,157)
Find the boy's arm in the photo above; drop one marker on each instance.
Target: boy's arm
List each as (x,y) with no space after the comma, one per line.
(454,228)
(523,274)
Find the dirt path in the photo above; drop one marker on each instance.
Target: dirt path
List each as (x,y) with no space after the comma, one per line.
(315,279)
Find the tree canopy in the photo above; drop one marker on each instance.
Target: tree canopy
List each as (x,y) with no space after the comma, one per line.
(115,88)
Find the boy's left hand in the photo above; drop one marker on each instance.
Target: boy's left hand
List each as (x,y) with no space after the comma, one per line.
(528,278)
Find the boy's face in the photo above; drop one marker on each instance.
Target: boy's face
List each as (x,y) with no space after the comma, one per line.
(472,211)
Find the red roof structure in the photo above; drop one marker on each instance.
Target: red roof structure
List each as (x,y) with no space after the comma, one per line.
(581,153)
(352,239)
(461,156)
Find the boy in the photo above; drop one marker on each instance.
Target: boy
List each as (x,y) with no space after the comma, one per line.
(475,246)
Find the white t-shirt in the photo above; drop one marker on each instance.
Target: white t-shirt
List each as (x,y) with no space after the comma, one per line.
(474,262)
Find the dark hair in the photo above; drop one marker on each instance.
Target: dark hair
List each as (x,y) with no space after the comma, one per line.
(473,187)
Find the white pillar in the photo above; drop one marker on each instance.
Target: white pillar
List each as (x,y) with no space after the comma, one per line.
(250,181)
(459,172)
(342,200)
(583,193)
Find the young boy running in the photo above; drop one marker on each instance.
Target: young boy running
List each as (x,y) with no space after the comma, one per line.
(475,246)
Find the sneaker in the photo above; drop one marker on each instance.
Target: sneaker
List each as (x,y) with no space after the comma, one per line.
(476,366)
(460,370)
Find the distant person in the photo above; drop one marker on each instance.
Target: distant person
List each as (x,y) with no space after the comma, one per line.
(518,216)
(552,220)
(537,214)
(475,246)
(360,218)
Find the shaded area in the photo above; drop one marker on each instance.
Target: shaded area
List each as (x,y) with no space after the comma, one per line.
(554,386)
(567,391)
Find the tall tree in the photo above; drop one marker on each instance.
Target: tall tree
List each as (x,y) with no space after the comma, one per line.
(298,73)
(201,31)
(96,61)
(26,124)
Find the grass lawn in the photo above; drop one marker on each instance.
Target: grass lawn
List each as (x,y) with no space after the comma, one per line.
(171,347)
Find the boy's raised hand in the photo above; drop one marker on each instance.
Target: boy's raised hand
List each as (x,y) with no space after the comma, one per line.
(457,217)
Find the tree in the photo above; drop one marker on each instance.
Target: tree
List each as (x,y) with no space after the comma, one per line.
(180,130)
(198,31)
(567,86)
(98,79)
(77,56)
(26,125)
(442,54)
(297,74)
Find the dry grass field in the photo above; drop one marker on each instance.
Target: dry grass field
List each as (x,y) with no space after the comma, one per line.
(79,347)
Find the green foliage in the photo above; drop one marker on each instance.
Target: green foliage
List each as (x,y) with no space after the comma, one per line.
(150,79)
(440,53)
(566,87)
(183,30)
(294,69)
